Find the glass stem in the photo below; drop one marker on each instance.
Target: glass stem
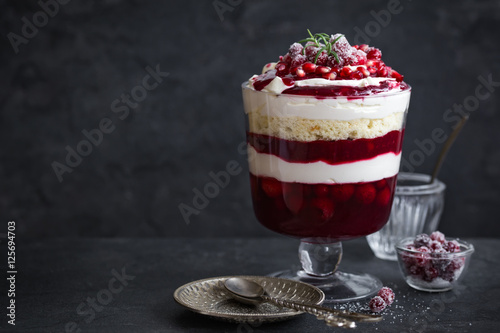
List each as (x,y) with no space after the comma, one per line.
(320,259)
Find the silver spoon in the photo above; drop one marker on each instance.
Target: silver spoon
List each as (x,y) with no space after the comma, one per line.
(250,292)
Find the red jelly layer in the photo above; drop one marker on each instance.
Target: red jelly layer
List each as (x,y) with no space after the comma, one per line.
(331,152)
(321,211)
(326,91)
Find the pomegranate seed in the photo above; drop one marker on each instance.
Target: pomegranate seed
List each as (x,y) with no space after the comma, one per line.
(330,76)
(281,69)
(309,67)
(375,63)
(300,72)
(345,73)
(372,70)
(382,72)
(397,76)
(293,70)
(356,75)
(363,70)
(374,54)
(363,47)
(356,46)
(322,69)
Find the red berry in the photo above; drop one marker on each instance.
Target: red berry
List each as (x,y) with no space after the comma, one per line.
(342,192)
(372,70)
(329,76)
(271,186)
(387,295)
(381,183)
(374,53)
(377,304)
(295,49)
(345,73)
(294,202)
(309,67)
(435,246)
(383,197)
(430,273)
(321,190)
(452,246)
(319,210)
(438,236)
(298,60)
(281,68)
(422,259)
(365,193)
(322,69)
(363,47)
(422,240)
(356,75)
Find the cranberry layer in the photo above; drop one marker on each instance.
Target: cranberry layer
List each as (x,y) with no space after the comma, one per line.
(321,211)
(331,152)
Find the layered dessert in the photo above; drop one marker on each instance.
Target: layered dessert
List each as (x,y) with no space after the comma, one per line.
(325,130)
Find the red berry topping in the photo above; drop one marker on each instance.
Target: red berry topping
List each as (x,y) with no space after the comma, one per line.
(377,304)
(295,49)
(387,295)
(321,190)
(298,60)
(329,76)
(365,193)
(323,69)
(383,197)
(300,72)
(320,210)
(272,187)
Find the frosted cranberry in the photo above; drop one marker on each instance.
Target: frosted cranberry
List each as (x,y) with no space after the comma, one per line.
(295,49)
(457,263)
(438,236)
(322,70)
(309,67)
(435,245)
(448,276)
(422,240)
(387,295)
(374,53)
(322,59)
(430,273)
(321,190)
(452,246)
(310,52)
(298,60)
(423,258)
(365,194)
(294,202)
(377,304)
(416,270)
(360,58)
(329,76)
(342,192)
(383,197)
(272,187)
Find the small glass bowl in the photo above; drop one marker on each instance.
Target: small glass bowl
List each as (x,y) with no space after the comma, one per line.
(433,272)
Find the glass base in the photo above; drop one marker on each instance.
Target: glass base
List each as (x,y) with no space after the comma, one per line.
(338,287)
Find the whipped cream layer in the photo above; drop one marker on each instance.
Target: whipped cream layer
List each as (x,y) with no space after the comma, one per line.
(379,167)
(334,108)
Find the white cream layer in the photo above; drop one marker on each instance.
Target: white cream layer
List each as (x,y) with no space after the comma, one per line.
(379,167)
(331,108)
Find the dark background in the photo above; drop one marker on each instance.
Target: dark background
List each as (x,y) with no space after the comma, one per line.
(66,77)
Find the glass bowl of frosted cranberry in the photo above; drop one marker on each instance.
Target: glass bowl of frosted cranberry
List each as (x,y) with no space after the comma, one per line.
(433,262)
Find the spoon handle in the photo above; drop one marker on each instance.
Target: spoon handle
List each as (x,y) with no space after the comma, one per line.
(332,317)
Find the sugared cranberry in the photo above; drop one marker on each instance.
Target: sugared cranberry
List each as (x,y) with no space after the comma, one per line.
(422,240)
(298,60)
(387,295)
(435,246)
(430,273)
(309,67)
(342,192)
(365,194)
(271,187)
(322,59)
(423,258)
(377,304)
(374,53)
(295,49)
(452,246)
(438,236)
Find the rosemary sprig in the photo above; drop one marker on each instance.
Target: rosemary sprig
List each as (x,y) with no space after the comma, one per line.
(317,38)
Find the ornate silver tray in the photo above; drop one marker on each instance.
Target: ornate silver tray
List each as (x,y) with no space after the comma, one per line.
(209,297)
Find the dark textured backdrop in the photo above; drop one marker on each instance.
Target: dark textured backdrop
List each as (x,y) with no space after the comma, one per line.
(66,76)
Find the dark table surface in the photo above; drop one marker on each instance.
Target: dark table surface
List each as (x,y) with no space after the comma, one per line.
(58,280)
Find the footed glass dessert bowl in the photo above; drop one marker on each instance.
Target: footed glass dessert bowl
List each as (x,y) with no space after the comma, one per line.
(324,131)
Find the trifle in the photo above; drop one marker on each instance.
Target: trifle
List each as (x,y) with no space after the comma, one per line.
(325,125)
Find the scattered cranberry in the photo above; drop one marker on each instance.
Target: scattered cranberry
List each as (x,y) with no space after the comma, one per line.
(377,304)
(387,295)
